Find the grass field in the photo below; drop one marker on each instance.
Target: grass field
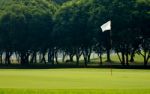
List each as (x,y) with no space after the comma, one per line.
(74,81)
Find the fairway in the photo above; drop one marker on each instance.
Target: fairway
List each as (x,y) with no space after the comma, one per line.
(70,80)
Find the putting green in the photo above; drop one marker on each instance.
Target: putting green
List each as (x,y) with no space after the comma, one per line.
(74,79)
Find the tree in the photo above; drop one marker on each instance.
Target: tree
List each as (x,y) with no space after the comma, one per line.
(142,25)
(100,12)
(122,31)
(73,21)
(29,25)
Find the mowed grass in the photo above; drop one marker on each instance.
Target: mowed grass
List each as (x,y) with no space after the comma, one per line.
(74,81)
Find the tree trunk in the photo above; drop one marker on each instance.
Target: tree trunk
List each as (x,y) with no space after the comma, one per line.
(43,60)
(52,56)
(27,58)
(85,55)
(108,45)
(78,54)
(40,57)
(22,58)
(77,59)
(123,59)
(127,60)
(100,58)
(145,61)
(63,58)
(7,58)
(1,58)
(85,61)
(17,57)
(146,57)
(49,55)
(33,58)
(71,57)
(56,57)
(132,56)
(119,57)
(89,55)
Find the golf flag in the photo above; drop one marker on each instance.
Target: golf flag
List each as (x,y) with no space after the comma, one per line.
(106,26)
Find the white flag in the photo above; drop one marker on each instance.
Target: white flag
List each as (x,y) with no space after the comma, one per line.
(106,26)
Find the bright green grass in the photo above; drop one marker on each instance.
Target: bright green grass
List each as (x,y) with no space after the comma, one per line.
(74,81)
(74,91)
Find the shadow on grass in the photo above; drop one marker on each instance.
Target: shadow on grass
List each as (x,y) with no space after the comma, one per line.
(60,66)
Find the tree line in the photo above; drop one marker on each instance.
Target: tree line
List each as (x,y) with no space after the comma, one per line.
(46,27)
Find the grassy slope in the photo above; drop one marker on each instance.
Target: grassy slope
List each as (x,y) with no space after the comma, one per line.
(73,80)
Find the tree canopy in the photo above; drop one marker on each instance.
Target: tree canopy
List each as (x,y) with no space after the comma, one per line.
(30,28)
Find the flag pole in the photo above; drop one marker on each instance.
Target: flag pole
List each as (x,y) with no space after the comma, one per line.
(110,50)
(107,27)
(110,39)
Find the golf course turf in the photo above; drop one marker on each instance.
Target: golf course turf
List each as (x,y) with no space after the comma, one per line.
(74,81)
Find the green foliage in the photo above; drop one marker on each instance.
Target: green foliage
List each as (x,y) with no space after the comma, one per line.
(73,26)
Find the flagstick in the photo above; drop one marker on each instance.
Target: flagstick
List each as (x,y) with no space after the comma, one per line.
(110,44)
(105,27)
(110,49)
